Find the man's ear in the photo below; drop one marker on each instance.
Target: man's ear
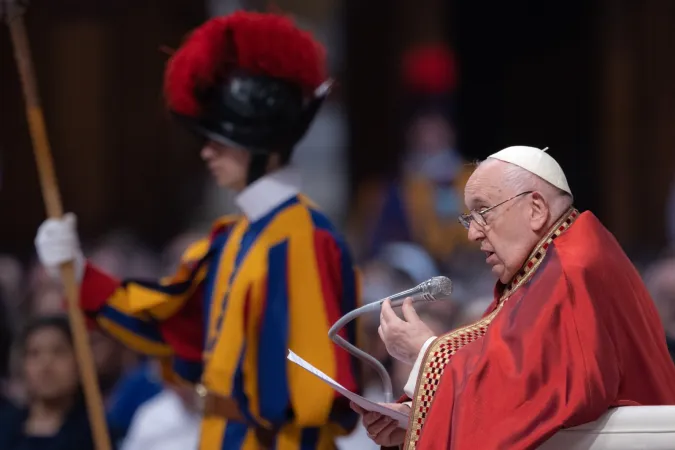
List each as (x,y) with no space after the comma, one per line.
(539,212)
(273,162)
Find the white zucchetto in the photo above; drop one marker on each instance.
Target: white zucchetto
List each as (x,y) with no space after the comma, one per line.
(535,161)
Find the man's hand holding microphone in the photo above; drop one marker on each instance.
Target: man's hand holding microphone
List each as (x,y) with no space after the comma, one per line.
(403,338)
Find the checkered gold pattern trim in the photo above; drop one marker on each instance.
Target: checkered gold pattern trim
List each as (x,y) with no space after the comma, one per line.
(442,349)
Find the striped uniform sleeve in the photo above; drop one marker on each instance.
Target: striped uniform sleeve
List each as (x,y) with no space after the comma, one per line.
(311,282)
(161,319)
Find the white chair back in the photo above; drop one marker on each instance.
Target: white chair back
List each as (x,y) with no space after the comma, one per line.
(623,428)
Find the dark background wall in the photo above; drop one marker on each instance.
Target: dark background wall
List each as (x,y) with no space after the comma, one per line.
(591,79)
(530,76)
(119,160)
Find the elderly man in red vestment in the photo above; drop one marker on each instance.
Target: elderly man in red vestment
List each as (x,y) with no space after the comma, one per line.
(572,331)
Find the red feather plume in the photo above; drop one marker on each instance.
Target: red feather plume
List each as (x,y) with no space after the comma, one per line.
(430,70)
(262,43)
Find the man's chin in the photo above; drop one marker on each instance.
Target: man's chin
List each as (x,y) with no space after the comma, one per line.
(222,182)
(498,272)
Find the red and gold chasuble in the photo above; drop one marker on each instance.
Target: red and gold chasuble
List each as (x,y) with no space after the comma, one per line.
(557,348)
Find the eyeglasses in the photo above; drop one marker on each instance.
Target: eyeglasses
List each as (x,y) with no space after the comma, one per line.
(479,217)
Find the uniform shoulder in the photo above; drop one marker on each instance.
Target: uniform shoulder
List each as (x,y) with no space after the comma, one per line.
(318,218)
(224,223)
(198,249)
(321,227)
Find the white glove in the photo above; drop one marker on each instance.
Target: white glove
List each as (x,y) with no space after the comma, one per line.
(57,242)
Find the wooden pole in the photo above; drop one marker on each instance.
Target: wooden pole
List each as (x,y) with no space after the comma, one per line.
(52,200)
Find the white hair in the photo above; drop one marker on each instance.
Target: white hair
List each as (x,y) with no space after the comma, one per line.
(521,180)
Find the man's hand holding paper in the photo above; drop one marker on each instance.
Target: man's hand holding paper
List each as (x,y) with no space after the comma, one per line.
(383,430)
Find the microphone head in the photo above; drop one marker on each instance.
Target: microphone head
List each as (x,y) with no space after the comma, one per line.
(440,288)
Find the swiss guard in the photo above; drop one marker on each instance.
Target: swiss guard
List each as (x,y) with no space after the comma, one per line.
(274,278)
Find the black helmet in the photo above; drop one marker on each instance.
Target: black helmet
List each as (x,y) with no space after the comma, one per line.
(250,80)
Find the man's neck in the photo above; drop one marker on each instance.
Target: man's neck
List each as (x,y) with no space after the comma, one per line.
(268,192)
(45,417)
(56,406)
(556,227)
(555,218)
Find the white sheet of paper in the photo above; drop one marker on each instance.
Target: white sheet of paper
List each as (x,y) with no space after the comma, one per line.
(361,401)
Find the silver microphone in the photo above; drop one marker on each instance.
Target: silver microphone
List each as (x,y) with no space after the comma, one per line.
(434,289)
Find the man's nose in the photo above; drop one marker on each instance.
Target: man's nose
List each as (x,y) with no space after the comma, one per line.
(475,232)
(207,152)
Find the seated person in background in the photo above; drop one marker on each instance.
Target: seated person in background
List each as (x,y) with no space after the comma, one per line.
(660,279)
(420,204)
(5,345)
(134,389)
(168,421)
(55,417)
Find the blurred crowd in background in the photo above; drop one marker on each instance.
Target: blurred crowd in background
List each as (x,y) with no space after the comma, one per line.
(403,231)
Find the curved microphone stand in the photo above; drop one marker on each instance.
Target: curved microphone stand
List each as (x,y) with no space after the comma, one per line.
(381,371)
(434,289)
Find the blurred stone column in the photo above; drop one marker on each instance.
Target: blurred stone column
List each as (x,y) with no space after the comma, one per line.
(77,63)
(158,171)
(69,46)
(638,113)
(618,135)
(372,87)
(425,21)
(118,157)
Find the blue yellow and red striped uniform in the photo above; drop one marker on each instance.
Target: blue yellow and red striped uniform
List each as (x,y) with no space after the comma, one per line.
(240,299)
